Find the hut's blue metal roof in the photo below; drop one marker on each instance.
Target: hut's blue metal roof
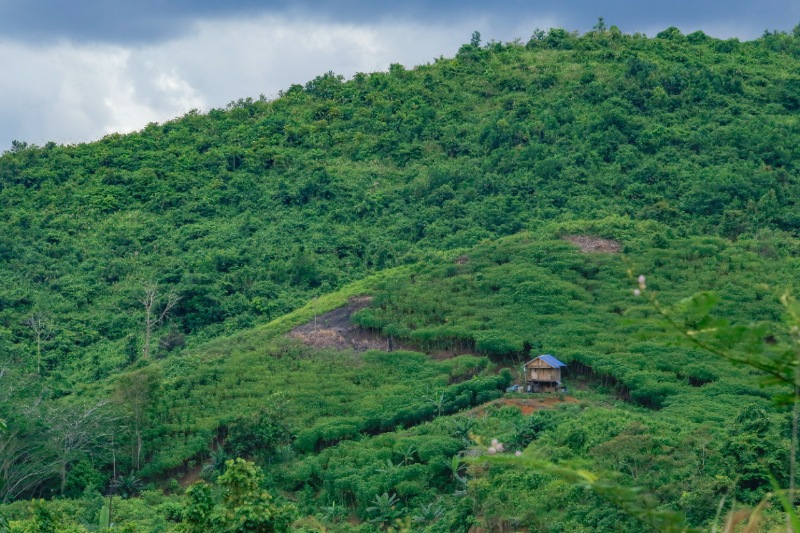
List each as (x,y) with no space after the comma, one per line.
(552,361)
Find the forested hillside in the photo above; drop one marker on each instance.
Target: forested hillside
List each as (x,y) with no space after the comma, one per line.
(147,282)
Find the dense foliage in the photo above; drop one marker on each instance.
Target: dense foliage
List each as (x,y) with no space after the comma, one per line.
(244,213)
(146,279)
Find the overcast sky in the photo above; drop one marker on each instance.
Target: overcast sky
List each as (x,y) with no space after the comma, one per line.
(75,71)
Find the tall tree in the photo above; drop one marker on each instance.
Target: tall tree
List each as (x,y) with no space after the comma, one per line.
(72,431)
(42,330)
(155,311)
(24,459)
(136,394)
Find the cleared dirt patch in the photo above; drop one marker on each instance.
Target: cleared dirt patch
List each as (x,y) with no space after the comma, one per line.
(190,476)
(594,245)
(526,405)
(334,329)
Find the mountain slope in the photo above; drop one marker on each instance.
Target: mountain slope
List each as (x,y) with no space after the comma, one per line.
(246,212)
(444,192)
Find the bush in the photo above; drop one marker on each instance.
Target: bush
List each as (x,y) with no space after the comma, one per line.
(257,434)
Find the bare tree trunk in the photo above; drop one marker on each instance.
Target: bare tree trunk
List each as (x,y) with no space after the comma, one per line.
(138,449)
(63,474)
(113,458)
(793,458)
(40,326)
(148,330)
(151,317)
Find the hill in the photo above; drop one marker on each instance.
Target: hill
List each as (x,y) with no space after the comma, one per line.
(147,280)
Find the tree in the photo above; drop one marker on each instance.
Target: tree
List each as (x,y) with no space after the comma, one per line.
(72,431)
(136,393)
(600,27)
(408,454)
(24,465)
(384,509)
(198,512)
(24,461)
(429,513)
(259,434)
(243,506)
(151,301)
(437,400)
(127,486)
(43,518)
(476,39)
(631,451)
(754,453)
(456,469)
(42,330)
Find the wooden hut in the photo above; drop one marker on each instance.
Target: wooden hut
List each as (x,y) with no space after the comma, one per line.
(543,374)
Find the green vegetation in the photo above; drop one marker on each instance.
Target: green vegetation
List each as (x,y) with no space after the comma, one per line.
(147,282)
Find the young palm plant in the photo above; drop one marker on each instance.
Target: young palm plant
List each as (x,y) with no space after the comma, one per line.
(384,510)
(127,486)
(428,513)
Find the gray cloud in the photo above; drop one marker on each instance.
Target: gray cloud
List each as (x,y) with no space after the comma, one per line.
(148,21)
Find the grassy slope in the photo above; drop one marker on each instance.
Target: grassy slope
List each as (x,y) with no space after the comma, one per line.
(580,308)
(525,295)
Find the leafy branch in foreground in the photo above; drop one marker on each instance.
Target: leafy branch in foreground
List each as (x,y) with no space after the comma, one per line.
(750,345)
(631,500)
(775,353)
